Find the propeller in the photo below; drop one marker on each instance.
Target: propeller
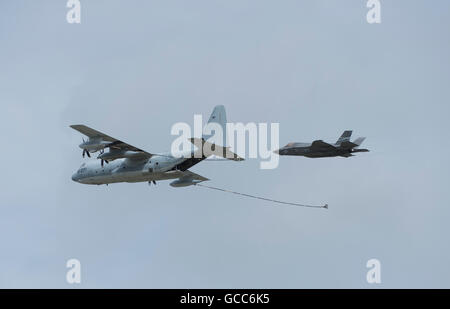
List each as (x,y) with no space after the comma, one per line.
(85,152)
(102,162)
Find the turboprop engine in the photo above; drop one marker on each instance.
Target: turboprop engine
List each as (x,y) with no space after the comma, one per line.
(93,145)
(116,154)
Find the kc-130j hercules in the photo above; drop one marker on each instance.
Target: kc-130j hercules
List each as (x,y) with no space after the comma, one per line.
(319,149)
(126,163)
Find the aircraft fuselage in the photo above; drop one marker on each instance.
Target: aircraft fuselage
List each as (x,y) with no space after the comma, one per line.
(126,170)
(306,151)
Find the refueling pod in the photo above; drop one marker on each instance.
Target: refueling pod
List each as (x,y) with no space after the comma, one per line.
(188,179)
(184,182)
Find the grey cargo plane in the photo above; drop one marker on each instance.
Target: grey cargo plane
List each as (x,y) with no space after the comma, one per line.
(126,163)
(319,149)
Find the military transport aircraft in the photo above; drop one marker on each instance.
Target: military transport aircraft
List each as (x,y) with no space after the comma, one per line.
(126,163)
(319,149)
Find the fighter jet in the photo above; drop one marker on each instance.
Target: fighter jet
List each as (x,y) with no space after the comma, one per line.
(126,163)
(319,149)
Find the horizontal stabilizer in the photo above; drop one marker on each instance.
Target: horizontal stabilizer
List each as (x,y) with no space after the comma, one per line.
(209,149)
(359,141)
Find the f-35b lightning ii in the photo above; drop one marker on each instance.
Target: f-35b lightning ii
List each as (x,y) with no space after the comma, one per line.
(319,149)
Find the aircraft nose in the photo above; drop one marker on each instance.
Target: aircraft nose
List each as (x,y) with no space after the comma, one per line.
(279,151)
(74,177)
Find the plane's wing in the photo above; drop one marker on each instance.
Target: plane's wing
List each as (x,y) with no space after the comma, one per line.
(125,146)
(91,133)
(320,145)
(115,143)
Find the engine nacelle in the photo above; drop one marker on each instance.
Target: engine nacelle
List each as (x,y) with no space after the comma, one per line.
(94,144)
(116,154)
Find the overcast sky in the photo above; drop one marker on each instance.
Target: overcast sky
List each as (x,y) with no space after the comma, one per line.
(133,68)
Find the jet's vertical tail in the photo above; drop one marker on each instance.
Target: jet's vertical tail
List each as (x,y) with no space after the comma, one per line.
(217,121)
(345,137)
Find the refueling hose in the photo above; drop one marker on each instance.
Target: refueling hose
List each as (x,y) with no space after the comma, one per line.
(263,198)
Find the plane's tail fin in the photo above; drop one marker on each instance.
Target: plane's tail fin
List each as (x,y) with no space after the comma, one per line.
(345,137)
(356,143)
(217,122)
(214,138)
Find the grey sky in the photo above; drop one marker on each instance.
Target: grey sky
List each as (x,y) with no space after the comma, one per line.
(134,68)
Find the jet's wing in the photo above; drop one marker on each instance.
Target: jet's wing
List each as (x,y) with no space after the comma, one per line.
(115,143)
(320,145)
(348,145)
(346,155)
